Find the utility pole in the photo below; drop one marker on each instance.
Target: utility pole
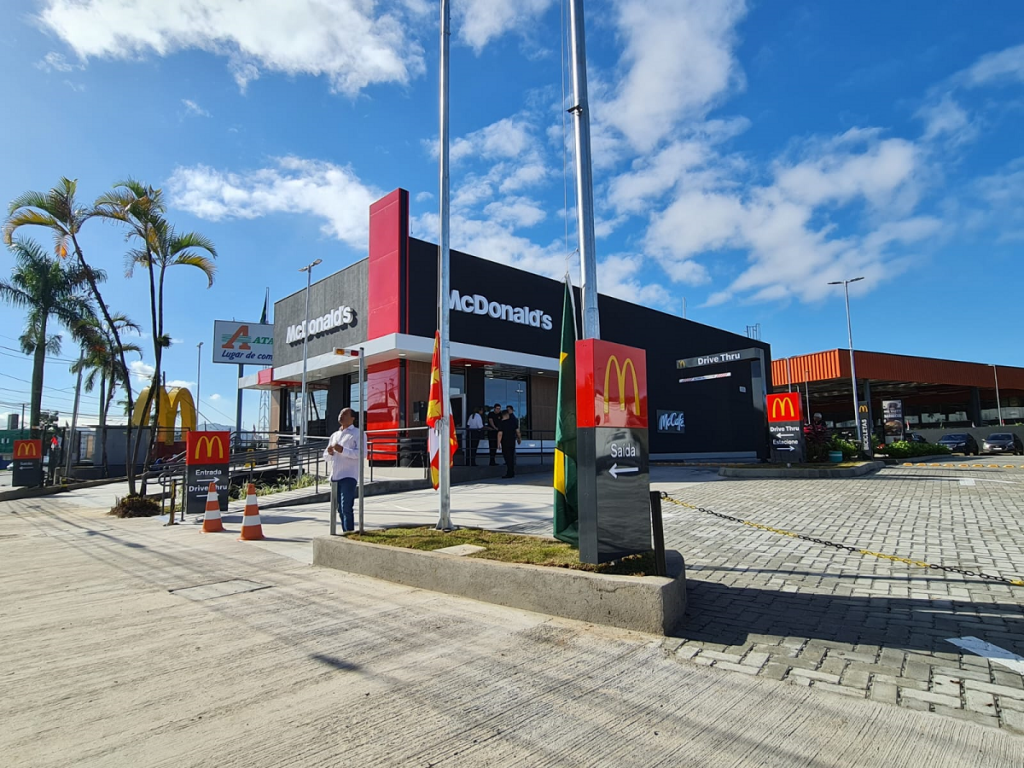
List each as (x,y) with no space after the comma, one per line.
(199,373)
(69,440)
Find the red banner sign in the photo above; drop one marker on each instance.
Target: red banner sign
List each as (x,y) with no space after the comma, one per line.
(208,448)
(611,385)
(784,407)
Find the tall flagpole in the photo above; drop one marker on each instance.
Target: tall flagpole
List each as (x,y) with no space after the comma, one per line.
(584,178)
(444,519)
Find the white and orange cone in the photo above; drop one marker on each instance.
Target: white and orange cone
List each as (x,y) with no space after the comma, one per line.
(211,520)
(252,529)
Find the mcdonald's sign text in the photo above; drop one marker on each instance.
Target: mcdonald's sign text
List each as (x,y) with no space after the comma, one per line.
(208,448)
(611,385)
(784,407)
(28,449)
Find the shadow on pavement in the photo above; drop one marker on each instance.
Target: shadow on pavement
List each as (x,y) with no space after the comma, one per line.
(718,613)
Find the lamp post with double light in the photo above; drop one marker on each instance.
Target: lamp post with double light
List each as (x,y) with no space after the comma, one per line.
(853,369)
(308,269)
(999,407)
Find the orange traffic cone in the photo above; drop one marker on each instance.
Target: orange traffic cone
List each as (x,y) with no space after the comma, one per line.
(252,530)
(211,520)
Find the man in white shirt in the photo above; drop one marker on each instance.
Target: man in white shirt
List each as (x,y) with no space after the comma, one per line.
(343,454)
(475,425)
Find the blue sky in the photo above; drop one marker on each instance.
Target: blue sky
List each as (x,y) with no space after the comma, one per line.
(745,154)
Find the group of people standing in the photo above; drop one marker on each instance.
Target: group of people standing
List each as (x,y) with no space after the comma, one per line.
(502,428)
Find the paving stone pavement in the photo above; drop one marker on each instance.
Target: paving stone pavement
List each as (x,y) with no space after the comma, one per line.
(765,604)
(812,615)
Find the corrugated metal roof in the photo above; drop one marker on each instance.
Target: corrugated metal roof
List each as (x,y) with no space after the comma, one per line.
(881,366)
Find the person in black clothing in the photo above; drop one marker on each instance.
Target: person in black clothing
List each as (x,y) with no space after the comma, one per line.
(510,438)
(494,432)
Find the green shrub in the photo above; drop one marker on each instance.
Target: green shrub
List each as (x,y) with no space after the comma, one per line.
(904,449)
(849,448)
(135,506)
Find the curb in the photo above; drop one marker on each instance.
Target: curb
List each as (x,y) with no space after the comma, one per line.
(651,604)
(33,492)
(767,472)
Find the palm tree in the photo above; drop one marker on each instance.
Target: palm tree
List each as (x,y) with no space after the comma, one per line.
(49,290)
(101,363)
(59,211)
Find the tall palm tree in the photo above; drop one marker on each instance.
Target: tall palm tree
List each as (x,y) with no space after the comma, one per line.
(140,208)
(101,363)
(59,211)
(50,291)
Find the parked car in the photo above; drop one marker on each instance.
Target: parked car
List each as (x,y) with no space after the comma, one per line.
(960,442)
(914,437)
(1003,442)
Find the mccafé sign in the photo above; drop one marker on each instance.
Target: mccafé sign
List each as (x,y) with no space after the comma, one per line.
(334,320)
(784,407)
(28,449)
(208,448)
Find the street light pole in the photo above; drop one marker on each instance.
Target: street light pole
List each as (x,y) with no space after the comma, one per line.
(308,269)
(199,373)
(999,408)
(853,369)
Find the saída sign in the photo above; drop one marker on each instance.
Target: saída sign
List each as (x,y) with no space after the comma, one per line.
(207,458)
(27,458)
(612,451)
(785,428)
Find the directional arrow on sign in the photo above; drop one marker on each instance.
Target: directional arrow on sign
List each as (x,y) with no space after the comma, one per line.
(616,470)
(787,448)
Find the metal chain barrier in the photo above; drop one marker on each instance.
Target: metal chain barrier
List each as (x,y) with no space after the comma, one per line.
(854,550)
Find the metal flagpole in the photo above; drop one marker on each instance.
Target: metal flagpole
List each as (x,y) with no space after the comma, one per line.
(362,432)
(444,520)
(584,179)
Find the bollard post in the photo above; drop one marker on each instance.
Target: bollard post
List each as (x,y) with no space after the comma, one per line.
(334,507)
(660,567)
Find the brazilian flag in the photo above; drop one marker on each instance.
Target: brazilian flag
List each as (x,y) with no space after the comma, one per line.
(566,499)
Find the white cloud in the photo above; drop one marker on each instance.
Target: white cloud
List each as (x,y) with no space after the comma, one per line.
(294,185)
(192,108)
(477,22)
(946,119)
(141,371)
(1005,65)
(619,276)
(55,62)
(678,62)
(353,42)
(215,397)
(507,138)
(180,383)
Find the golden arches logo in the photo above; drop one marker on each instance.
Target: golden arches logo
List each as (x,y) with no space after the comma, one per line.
(26,449)
(210,443)
(178,400)
(780,407)
(620,375)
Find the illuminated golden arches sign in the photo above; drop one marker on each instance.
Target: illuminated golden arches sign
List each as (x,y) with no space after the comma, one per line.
(179,400)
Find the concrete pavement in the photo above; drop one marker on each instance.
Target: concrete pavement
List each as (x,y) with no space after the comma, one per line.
(113,657)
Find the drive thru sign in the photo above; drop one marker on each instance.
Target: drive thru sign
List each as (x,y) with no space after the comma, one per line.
(785,427)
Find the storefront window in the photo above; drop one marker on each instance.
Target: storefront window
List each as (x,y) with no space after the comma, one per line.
(508,392)
(457,384)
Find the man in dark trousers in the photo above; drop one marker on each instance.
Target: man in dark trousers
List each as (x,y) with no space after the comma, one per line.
(510,438)
(494,432)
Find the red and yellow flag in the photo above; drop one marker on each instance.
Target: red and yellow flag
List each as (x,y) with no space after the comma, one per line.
(435,410)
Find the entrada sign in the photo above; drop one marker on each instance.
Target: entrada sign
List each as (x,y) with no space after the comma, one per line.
(479,305)
(207,458)
(334,320)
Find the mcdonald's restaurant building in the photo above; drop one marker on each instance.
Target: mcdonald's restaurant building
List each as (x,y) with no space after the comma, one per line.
(505,344)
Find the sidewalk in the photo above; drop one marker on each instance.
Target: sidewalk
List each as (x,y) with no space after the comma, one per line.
(130,644)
